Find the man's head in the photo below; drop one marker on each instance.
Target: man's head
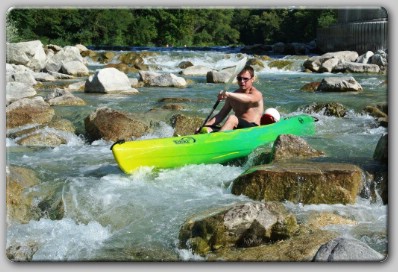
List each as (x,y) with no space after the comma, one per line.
(245,77)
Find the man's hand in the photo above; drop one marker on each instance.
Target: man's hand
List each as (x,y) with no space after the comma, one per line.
(222,95)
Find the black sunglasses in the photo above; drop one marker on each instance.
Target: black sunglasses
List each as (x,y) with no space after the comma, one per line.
(243,78)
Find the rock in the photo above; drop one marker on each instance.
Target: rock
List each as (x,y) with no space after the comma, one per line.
(196,70)
(20,197)
(292,147)
(307,183)
(185,125)
(107,80)
(239,225)
(113,125)
(328,109)
(354,67)
(75,68)
(310,87)
(30,54)
(185,64)
(64,97)
(67,54)
(339,84)
(364,58)
(381,151)
(18,90)
(77,86)
(28,111)
(347,250)
(168,80)
(42,138)
(217,77)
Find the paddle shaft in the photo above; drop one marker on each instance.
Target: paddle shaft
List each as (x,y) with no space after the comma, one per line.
(208,117)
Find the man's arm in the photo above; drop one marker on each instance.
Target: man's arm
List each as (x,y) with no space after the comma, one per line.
(253,97)
(220,115)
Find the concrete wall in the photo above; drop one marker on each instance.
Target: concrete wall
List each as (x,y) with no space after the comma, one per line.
(359,30)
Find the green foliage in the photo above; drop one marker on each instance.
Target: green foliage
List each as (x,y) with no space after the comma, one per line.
(161,27)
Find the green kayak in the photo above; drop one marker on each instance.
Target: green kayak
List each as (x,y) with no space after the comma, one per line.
(208,148)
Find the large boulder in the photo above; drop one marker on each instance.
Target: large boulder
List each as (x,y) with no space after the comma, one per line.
(241,225)
(18,90)
(60,58)
(113,125)
(28,111)
(307,183)
(288,146)
(339,84)
(30,54)
(343,249)
(108,80)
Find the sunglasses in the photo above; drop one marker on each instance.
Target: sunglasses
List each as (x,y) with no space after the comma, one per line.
(243,78)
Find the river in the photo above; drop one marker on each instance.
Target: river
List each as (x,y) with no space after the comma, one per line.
(110,215)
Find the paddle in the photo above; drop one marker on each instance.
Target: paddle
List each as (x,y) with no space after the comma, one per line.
(239,66)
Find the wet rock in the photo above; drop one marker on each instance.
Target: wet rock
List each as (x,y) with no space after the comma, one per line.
(310,87)
(185,64)
(113,125)
(64,97)
(381,151)
(292,147)
(185,125)
(22,252)
(241,225)
(20,197)
(217,77)
(328,109)
(308,183)
(28,111)
(42,138)
(339,84)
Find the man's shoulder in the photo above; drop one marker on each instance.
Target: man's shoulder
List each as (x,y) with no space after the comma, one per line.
(255,90)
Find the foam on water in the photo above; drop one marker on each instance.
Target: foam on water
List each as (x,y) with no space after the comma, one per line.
(59,240)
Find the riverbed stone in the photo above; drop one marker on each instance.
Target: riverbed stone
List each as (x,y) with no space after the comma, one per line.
(287,146)
(185,125)
(18,90)
(113,125)
(381,150)
(20,197)
(107,80)
(343,249)
(307,183)
(328,109)
(245,225)
(64,97)
(30,54)
(28,111)
(339,84)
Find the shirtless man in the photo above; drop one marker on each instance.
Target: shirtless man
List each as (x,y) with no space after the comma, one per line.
(246,102)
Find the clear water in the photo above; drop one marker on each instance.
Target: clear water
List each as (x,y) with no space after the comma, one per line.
(113,216)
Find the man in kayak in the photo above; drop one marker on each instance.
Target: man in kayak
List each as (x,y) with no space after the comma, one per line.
(246,102)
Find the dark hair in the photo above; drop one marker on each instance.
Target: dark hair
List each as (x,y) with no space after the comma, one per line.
(249,69)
